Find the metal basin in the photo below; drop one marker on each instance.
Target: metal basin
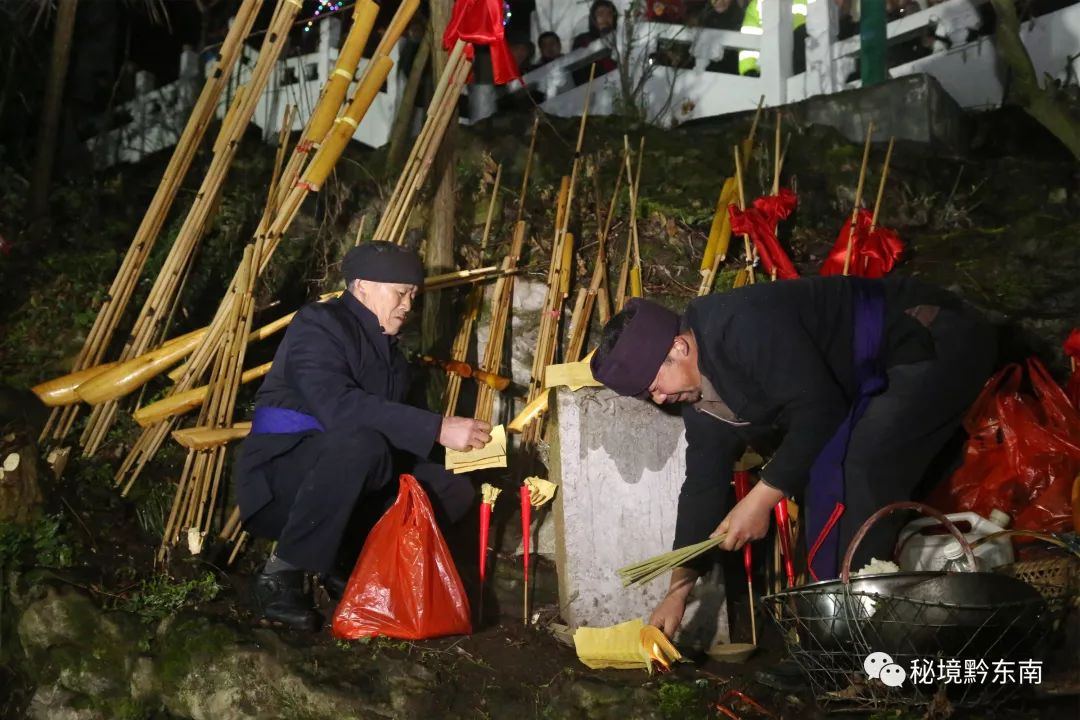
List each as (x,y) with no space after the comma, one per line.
(918,614)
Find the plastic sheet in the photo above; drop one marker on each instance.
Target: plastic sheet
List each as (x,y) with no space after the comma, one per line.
(405,584)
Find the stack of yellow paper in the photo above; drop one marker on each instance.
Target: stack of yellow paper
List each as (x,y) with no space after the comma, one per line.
(492,455)
(628,645)
(575,375)
(618,646)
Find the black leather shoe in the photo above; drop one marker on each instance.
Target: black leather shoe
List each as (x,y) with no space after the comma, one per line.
(280,597)
(334,585)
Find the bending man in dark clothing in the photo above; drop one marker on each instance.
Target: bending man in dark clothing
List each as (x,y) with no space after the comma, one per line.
(330,429)
(866,380)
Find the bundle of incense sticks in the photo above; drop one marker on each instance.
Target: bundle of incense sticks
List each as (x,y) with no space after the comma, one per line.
(654,567)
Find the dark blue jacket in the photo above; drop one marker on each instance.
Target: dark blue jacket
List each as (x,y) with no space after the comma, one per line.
(780,356)
(335,364)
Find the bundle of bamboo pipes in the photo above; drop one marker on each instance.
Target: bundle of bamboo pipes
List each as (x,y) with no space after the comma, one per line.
(587,298)
(460,349)
(716,248)
(288,199)
(123,284)
(503,294)
(558,282)
(632,256)
(164,293)
(444,102)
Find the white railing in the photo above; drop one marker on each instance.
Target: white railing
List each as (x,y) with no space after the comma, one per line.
(157,116)
(967,69)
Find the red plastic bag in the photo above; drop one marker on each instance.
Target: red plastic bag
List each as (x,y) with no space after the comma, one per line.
(405,584)
(1022,453)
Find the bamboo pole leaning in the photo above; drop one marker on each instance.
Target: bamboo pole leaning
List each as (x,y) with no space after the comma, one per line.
(460,350)
(858,198)
(881,186)
(127,275)
(162,294)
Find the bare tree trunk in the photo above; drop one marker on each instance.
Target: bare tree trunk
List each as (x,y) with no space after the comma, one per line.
(1038,101)
(436,326)
(399,131)
(50,116)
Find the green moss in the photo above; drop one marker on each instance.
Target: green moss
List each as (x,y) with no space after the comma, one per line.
(187,643)
(680,701)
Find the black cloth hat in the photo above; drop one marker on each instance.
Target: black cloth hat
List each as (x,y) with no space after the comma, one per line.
(630,366)
(381,261)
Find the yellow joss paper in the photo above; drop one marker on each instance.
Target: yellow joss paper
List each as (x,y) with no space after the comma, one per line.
(492,455)
(575,376)
(540,491)
(628,645)
(529,413)
(618,646)
(488,494)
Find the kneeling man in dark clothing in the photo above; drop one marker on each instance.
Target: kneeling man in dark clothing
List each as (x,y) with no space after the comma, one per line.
(865,381)
(331,429)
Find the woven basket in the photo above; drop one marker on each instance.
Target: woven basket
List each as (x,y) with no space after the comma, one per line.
(1057,579)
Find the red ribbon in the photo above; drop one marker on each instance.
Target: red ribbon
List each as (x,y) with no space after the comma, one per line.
(759,222)
(1072,349)
(481,22)
(1072,345)
(873,253)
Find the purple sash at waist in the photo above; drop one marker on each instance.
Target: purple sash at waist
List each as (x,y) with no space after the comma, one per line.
(275,420)
(825,491)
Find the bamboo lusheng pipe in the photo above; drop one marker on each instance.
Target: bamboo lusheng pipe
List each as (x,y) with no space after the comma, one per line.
(125,280)
(460,348)
(61,391)
(502,295)
(439,111)
(858,198)
(501,305)
(364,14)
(180,255)
(206,438)
(123,378)
(720,230)
(200,479)
(636,289)
(748,247)
(441,122)
(580,319)
(561,265)
(881,186)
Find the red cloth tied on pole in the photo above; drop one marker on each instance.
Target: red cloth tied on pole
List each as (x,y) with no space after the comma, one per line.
(480,22)
(873,252)
(759,222)
(1072,349)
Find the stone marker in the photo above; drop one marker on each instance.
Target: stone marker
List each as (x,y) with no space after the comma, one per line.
(620,463)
